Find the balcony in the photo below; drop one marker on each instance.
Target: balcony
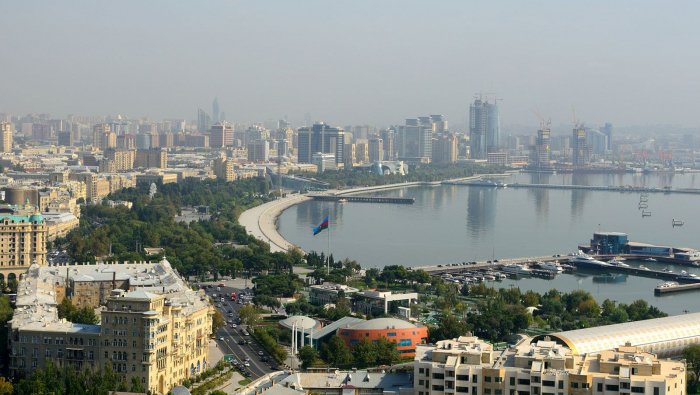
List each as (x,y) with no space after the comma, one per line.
(149,349)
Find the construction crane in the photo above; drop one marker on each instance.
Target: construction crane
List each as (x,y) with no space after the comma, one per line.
(544,124)
(576,123)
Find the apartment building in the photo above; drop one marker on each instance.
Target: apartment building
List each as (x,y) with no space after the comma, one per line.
(156,330)
(22,240)
(123,158)
(468,365)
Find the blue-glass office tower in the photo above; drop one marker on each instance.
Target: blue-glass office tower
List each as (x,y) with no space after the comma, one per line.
(484,129)
(320,138)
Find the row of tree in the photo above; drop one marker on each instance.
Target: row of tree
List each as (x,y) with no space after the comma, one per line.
(337,354)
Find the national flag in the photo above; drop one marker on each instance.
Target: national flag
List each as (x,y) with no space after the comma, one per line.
(324,225)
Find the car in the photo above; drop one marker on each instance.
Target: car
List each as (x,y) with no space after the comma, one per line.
(246,364)
(247,358)
(250,342)
(239,301)
(230,321)
(222,285)
(245,332)
(242,342)
(233,325)
(261,353)
(230,314)
(246,373)
(495,260)
(221,338)
(218,305)
(439,265)
(264,359)
(218,288)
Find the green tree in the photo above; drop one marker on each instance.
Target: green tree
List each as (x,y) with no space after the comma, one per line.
(618,316)
(386,350)
(450,327)
(531,299)
(136,385)
(217,321)
(365,353)
(692,358)
(336,352)
(5,387)
(66,308)
(307,356)
(249,315)
(86,315)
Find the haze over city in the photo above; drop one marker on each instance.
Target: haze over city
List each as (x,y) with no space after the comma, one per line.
(629,63)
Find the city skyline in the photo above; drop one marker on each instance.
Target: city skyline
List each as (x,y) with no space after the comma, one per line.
(617,63)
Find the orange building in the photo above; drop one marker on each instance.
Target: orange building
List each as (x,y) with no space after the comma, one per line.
(404,333)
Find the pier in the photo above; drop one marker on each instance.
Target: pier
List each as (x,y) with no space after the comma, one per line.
(658,291)
(364,199)
(608,188)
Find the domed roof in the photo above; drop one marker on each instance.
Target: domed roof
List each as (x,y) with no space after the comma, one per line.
(383,323)
(301,321)
(36,217)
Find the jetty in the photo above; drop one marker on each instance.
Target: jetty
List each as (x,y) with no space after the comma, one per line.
(364,199)
(624,188)
(658,291)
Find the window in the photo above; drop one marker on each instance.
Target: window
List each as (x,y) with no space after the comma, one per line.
(354,342)
(393,334)
(498,379)
(474,378)
(405,343)
(625,386)
(548,383)
(487,391)
(421,370)
(600,387)
(421,382)
(438,388)
(498,392)
(611,387)
(574,385)
(561,384)
(133,368)
(463,377)
(637,390)
(487,379)
(512,381)
(523,381)
(439,376)
(143,380)
(367,334)
(464,390)
(656,390)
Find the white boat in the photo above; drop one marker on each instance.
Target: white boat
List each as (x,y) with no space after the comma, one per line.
(667,270)
(551,267)
(649,260)
(517,269)
(489,277)
(690,277)
(667,284)
(584,260)
(500,276)
(618,263)
(643,267)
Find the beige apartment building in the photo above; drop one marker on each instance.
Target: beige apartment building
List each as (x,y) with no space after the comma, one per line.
(5,137)
(224,169)
(151,158)
(95,188)
(22,240)
(123,158)
(468,365)
(152,325)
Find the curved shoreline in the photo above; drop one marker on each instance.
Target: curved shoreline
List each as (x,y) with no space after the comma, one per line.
(261,221)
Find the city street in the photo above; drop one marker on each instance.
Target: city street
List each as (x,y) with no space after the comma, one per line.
(233,336)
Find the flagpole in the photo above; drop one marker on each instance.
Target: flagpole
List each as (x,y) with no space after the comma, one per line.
(328,265)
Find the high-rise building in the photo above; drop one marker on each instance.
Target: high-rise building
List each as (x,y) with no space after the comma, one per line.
(203,121)
(388,142)
(415,139)
(320,138)
(608,131)
(107,140)
(215,111)
(97,132)
(581,154)
(445,148)
(361,150)
(5,137)
(259,151)
(597,141)
(484,129)
(127,141)
(220,135)
(65,138)
(539,154)
(376,149)
(349,157)
(143,141)
(41,131)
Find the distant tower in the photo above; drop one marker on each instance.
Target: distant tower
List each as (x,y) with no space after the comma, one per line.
(222,116)
(215,111)
(203,121)
(484,129)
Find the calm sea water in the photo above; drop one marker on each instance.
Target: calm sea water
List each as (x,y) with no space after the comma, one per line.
(461,223)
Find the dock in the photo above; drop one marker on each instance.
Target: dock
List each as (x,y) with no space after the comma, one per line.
(364,199)
(658,291)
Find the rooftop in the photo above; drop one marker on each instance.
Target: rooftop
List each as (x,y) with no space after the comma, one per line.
(383,323)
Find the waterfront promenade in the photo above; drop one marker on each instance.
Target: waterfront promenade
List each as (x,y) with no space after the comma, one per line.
(261,221)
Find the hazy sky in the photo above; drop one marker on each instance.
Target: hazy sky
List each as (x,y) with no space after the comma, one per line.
(353,62)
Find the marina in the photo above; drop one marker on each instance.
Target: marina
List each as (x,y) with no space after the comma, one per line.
(625,188)
(363,199)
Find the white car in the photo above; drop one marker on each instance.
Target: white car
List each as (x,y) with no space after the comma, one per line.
(233,325)
(221,338)
(246,363)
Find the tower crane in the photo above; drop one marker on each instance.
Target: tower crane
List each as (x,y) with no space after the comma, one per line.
(544,124)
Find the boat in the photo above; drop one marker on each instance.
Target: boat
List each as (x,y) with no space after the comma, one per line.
(584,260)
(649,260)
(689,277)
(489,277)
(667,270)
(551,267)
(482,183)
(516,269)
(667,284)
(618,263)
(343,201)
(500,276)
(642,267)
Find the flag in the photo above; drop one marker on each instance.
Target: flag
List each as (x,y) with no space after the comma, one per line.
(324,225)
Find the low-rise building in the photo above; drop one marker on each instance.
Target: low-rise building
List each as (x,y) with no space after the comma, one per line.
(59,224)
(468,365)
(406,334)
(382,302)
(329,292)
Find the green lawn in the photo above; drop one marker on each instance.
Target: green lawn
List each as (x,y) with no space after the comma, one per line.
(245,381)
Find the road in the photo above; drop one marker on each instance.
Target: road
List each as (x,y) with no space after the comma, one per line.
(232,336)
